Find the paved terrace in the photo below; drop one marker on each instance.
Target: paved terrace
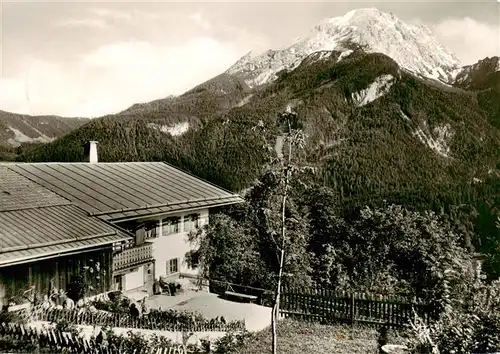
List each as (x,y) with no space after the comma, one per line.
(211,305)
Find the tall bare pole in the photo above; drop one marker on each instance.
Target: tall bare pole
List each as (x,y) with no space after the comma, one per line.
(276,307)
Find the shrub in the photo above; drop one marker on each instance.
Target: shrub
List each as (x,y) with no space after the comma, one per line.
(136,342)
(66,326)
(114,304)
(471,328)
(131,342)
(231,342)
(6,316)
(76,288)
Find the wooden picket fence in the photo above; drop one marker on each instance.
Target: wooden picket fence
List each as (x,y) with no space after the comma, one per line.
(50,340)
(155,320)
(327,306)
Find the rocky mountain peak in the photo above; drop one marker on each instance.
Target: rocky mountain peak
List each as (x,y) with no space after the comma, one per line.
(412,46)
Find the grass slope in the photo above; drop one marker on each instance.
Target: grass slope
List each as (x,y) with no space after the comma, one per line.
(302,337)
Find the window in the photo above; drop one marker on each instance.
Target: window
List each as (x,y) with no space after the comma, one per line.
(195,259)
(173,266)
(151,229)
(191,222)
(170,225)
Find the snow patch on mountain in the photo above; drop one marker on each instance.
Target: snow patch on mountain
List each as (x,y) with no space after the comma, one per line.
(174,130)
(319,56)
(345,54)
(20,137)
(377,89)
(263,78)
(440,143)
(412,46)
(454,73)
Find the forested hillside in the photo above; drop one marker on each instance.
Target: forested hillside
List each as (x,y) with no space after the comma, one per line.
(18,129)
(375,134)
(484,79)
(415,139)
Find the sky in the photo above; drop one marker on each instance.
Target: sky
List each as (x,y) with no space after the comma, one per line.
(93,58)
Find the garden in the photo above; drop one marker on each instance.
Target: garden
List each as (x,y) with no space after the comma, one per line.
(56,324)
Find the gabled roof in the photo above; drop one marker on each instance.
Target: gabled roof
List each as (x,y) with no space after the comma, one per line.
(126,190)
(36,222)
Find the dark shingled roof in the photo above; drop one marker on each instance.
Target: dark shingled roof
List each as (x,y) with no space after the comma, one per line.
(128,190)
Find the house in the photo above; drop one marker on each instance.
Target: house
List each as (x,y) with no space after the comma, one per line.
(156,202)
(45,239)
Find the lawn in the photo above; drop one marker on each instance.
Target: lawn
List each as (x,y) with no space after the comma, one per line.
(300,337)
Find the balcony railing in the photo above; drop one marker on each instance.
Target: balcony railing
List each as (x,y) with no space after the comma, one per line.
(133,256)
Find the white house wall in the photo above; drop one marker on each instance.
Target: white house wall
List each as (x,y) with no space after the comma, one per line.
(134,279)
(167,247)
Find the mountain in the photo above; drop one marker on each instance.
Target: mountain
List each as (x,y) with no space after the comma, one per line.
(413,47)
(406,126)
(373,128)
(485,74)
(16,129)
(377,129)
(483,78)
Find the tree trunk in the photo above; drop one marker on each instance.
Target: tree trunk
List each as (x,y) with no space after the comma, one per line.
(276,307)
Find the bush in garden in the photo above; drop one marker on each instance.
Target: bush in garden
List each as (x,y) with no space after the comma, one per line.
(131,342)
(14,345)
(473,327)
(115,296)
(76,288)
(487,334)
(136,342)
(164,319)
(115,304)
(231,342)
(66,326)
(6,316)
(458,333)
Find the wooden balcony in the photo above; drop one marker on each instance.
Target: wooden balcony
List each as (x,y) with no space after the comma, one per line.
(133,256)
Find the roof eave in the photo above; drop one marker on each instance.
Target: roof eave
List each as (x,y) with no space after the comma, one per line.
(110,219)
(75,250)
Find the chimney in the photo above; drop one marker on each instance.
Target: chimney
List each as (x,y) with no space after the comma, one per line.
(90,151)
